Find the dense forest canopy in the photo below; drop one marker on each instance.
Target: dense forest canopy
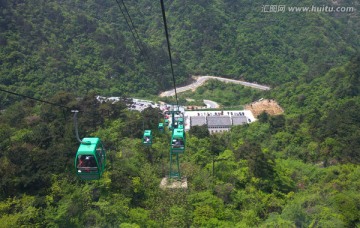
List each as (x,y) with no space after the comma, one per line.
(82,46)
(295,170)
(299,169)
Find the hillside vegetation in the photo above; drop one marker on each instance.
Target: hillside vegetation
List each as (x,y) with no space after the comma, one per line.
(299,169)
(83,46)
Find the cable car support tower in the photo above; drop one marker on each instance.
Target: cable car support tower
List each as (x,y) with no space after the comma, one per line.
(178,141)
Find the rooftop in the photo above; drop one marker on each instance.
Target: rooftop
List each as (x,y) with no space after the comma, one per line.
(239,120)
(218,121)
(197,120)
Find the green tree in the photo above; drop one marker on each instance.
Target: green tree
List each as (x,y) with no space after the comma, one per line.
(199,131)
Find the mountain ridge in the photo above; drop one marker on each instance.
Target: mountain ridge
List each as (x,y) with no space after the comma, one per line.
(47,46)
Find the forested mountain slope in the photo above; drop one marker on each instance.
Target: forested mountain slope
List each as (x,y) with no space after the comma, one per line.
(322,116)
(82,46)
(300,169)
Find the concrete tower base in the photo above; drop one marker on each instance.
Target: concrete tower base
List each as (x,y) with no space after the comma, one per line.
(173,183)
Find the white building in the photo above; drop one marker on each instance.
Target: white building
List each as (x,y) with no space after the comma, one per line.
(217,121)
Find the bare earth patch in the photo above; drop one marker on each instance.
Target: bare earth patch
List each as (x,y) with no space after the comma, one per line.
(271,107)
(168,183)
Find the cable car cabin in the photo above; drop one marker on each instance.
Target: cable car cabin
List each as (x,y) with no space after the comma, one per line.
(166,122)
(90,159)
(147,139)
(175,125)
(178,141)
(180,120)
(161,127)
(179,125)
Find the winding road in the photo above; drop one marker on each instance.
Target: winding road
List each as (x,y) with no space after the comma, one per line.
(200,80)
(211,104)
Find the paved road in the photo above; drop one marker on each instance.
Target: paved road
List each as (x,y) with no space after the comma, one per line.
(211,104)
(200,80)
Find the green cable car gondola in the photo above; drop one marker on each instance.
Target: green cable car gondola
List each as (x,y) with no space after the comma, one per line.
(147,138)
(161,127)
(90,159)
(180,121)
(166,122)
(178,141)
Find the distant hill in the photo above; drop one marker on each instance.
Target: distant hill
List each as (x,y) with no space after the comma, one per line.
(83,46)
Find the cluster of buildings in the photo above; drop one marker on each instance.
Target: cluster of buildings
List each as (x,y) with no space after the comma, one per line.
(216,121)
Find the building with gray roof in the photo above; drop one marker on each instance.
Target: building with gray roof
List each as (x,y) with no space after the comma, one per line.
(197,120)
(218,123)
(239,120)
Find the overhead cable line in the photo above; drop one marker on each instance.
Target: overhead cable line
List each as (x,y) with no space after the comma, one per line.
(169,49)
(32,98)
(133,26)
(53,104)
(131,30)
(143,49)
